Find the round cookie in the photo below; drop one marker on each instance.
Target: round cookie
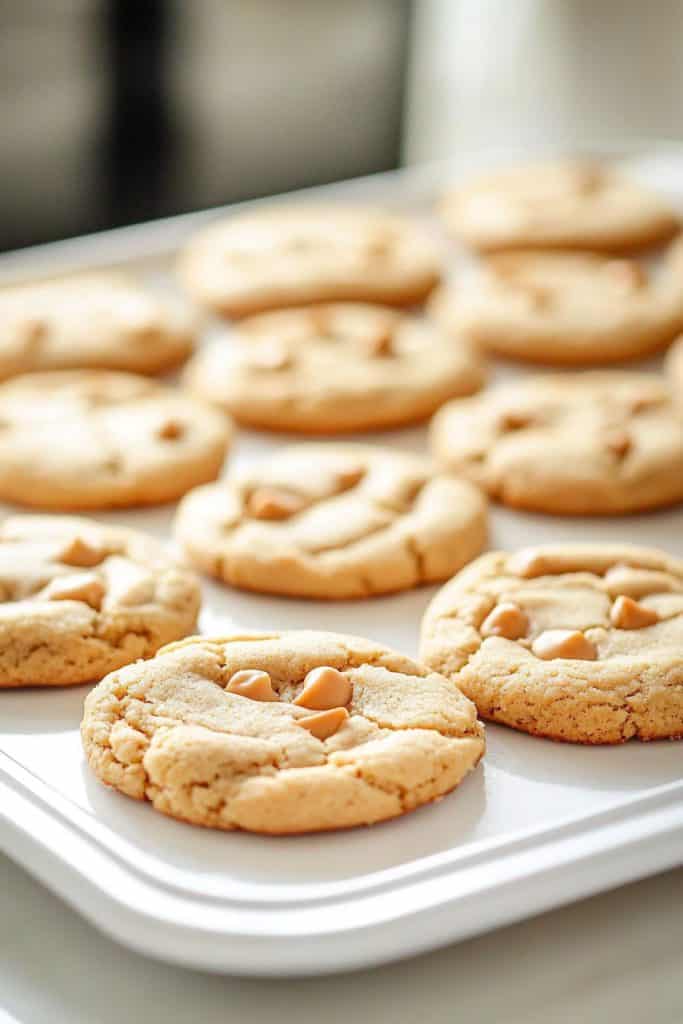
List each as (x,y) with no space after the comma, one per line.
(293,255)
(557,205)
(334,368)
(79,599)
(103,321)
(565,308)
(333,521)
(598,443)
(98,439)
(280,732)
(674,365)
(577,642)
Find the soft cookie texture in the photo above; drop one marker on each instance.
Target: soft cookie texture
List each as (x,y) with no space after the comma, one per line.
(104,321)
(598,443)
(87,439)
(333,521)
(334,368)
(577,642)
(675,368)
(566,308)
(182,732)
(78,600)
(293,255)
(561,205)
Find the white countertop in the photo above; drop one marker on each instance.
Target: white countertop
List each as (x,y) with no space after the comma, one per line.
(615,957)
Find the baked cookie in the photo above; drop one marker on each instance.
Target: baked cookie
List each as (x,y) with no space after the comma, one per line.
(79,599)
(597,443)
(577,642)
(97,439)
(334,368)
(105,321)
(293,255)
(333,521)
(280,732)
(675,367)
(560,205)
(565,308)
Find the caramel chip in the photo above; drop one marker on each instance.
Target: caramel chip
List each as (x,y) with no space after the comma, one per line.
(252,683)
(380,342)
(506,620)
(619,443)
(626,613)
(274,503)
(325,724)
(564,643)
(79,586)
(82,553)
(171,430)
(325,688)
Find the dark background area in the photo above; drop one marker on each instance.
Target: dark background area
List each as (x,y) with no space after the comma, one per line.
(116,111)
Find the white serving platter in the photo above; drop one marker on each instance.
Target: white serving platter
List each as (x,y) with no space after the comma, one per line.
(538,824)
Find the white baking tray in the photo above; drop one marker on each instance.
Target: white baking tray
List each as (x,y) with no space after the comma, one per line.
(538,824)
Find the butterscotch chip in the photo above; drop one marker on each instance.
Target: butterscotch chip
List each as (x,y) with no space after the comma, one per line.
(629,614)
(98,320)
(252,683)
(564,643)
(585,670)
(506,619)
(325,688)
(172,730)
(569,444)
(171,430)
(352,367)
(79,599)
(333,521)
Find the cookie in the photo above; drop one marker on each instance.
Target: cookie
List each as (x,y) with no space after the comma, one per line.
(577,642)
(562,204)
(103,321)
(333,521)
(293,255)
(280,732)
(334,368)
(79,599)
(597,443)
(674,367)
(566,308)
(97,439)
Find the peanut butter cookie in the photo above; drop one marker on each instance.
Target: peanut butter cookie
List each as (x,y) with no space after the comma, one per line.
(88,439)
(280,732)
(577,642)
(598,443)
(333,521)
(293,255)
(78,600)
(334,368)
(557,205)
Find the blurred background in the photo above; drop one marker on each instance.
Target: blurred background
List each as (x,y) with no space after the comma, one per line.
(116,111)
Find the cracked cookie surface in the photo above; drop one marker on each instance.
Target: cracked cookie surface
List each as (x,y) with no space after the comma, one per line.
(333,368)
(558,204)
(566,308)
(293,255)
(178,731)
(596,443)
(333,521)
(105,321)
(574,642)
(79,599)
(91,439)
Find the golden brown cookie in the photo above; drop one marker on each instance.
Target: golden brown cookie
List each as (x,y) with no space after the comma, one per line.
(598,443)
(577,642)
(557,205)
(334,368)
(79,599)
(87,439)
(104,321)
(280,732)
(333,521)
(293,255)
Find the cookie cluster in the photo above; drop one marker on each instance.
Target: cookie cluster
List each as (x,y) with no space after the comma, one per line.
(324,320)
